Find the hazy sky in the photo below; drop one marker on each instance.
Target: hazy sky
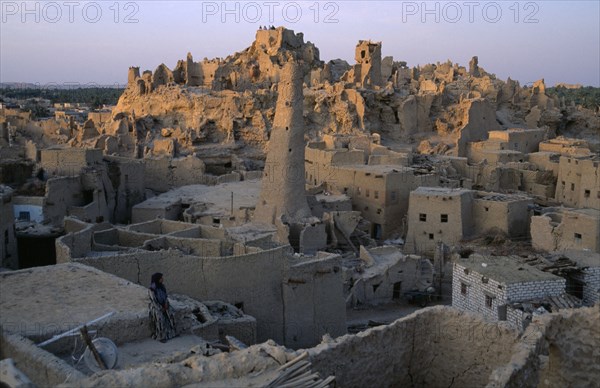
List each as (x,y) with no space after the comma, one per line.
(96,42)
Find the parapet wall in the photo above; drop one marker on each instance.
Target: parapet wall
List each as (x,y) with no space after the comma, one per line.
(435,347)
(556,350)
(43,368)
(252,280)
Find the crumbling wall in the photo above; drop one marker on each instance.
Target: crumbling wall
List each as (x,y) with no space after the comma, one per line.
(558,349)
(569,229)
(61,193)
(68,161)
(435,347)
(78,240)
(252,280)
(479,117)
(190,246)
(578,182)
(314,302)
(127,178)
(164,174)
(42,367)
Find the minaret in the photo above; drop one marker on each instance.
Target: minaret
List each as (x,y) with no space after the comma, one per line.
(283,185)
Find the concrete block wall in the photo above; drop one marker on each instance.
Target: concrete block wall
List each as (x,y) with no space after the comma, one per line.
(591,289)
(517,292)
(515,317)
(475,299)
(501,293)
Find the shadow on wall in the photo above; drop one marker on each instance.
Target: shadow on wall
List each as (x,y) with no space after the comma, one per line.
(435,347)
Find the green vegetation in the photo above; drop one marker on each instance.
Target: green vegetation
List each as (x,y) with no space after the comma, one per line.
(94,97)
(588,97)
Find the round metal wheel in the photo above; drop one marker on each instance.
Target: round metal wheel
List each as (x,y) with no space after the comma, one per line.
(108,352)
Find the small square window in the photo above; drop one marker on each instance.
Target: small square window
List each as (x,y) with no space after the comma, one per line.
(431,236)
(488,301)
(422,217)
(487,209)
(24,216)
(444,218)
(586,193)
(563,183)
(577,236)
(463,288)
(572,186)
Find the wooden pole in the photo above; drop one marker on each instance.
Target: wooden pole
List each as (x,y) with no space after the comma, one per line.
(90,344)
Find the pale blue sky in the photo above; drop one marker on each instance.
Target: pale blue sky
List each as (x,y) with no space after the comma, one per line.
(562,44)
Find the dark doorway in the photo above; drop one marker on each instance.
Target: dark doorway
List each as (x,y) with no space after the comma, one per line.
(376,231)
(502,312)
(575,287)
(36,251)
(397,290)
(88,197)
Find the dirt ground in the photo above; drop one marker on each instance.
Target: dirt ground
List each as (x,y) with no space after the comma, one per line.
(145,351)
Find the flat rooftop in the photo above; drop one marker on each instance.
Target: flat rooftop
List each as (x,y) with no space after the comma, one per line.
(330,198)
(512,130)
(498,197)
(502,152)
(445,191)
(583,258)
(216,198)
(377,168)
(505,270)
(45,301)
(594,213)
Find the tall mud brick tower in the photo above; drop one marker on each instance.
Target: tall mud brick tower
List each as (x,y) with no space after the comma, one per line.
(282,199)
